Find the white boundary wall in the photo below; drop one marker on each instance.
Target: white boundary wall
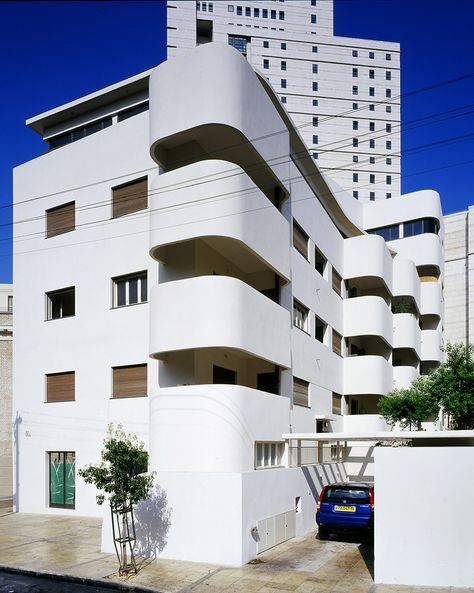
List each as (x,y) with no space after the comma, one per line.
(424,524)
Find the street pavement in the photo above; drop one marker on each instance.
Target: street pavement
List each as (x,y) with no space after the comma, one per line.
(68,545)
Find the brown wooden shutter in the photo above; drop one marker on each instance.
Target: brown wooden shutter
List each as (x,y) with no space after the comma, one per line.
(61,219)
(130,197)
(130,381)
(300,239)
(300,392)
(336,343)
(336,281)
(60,387)
(336,403)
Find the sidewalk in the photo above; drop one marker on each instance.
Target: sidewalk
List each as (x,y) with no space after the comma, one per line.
(71,545)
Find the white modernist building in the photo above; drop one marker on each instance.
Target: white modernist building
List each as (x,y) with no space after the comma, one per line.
(6,352)
(342,93)
(185,269)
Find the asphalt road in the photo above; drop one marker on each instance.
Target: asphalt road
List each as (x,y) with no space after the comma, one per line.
(18,583)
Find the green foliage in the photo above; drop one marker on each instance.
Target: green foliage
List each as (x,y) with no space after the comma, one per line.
(410,407)
(453,385)
(120,477)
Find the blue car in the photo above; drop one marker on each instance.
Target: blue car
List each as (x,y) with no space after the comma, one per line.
(345,506)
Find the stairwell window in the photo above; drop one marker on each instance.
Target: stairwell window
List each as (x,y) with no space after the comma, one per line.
(336,343)
(300,316)
(300,239)
(129,197)
(300,392)
(320,262)
(130,289)
(336,403)
(61,303)
(336,281)
(320,330)
(269,455)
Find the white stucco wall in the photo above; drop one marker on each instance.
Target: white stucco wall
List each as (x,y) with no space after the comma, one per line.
(423,521)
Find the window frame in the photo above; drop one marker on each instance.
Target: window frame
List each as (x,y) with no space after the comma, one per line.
(49,304)
(304,384)
(280,449)
(129,366)
(300,310)
(50,212)
(63,505)
(143,274)
(115,200)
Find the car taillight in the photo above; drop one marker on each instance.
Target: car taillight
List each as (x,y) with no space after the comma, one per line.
(372,499)
(320,499)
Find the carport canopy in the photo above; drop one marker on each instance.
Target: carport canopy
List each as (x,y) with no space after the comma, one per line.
(399,435)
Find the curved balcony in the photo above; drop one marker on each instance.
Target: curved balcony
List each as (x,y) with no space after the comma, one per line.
(367,259)
(424,250)
(212,428)
(431,343)
(229,128)
(406,332)
(364,423)
(406,281)
(367,374)
(431,299)
(368,316)
(218,312)
(403,376)
(227,211)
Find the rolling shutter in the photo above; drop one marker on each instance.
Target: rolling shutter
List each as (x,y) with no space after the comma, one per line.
(61,219)
(130,381)
(300,239)
(300,392)
(130,198)
(60,387)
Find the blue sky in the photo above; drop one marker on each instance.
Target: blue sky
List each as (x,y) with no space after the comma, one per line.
(53,52)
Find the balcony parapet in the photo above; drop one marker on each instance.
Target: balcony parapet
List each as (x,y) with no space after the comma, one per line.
(367,256)
(403,376)
(368,316)
(367,374)
(431,344)
(431,299)
(406,332)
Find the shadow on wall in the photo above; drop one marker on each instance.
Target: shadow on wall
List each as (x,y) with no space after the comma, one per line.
(152,523)
(318,476)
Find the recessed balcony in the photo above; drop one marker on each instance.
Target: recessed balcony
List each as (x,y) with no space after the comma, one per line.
(218,312)
(406,282)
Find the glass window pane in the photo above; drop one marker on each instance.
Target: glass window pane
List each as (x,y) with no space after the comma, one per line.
(56,478)
(121,293)
(132,291)
(70,479)
(144,293)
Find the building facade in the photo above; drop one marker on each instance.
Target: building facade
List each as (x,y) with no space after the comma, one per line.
(6,433)
(342,93)
(190,273)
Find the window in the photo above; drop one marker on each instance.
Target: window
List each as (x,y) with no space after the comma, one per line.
(10,303)
(62,479)
(315,122)
(315,139)
(371,126)
(283,46)
(320,329)
(388,93)
(300,392)
(372,196)
(239,43)
(388,57)
(388,75)
(389,180)
(127,113)
(355,142)
(256,13)
(313,2)
(320,262)
(371,91)
(371,178)
(388,145)
(389,233)
(266,44)
(355,53)
(315,49)
(60,219)
(61,303)
(315,86)
(300,316)
(230,8)
(281,15)
(420,226)
(336,281)
(355,194)
(355,158)
(315,156)
(372,160)
(223,376)
(355,72)
(336,343)
(60,387)
(313,19)
(355,105)
(129,197)
(371,73)
(371,143)
(315,68)
(130,289)
(336,403)
(355,125)
(388,195)
(264,13)
(388,160)
(283,65)
(266,64)
(355,90)
(371,55)
(129,381)
(248,11)
(388,127)
(315,102)
(79,133)
(283,83)
(371,107)
(211,8)
(355,177)
(388,108)
(300,239)
(273,14)
(269,455)
(283,99)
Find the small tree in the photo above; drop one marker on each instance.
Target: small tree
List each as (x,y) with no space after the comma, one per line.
(453,385)
(122,479)
(410,407)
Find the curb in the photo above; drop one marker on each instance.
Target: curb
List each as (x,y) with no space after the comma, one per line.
(88,581)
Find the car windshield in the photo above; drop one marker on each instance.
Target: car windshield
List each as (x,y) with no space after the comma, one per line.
(339,493)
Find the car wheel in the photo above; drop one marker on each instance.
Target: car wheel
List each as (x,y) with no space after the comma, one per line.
(323,533)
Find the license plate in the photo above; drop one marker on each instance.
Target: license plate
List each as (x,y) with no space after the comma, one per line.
(340,507)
